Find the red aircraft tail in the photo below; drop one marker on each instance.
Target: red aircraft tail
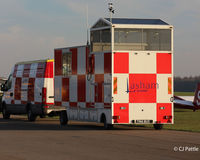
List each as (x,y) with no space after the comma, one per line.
(196,101)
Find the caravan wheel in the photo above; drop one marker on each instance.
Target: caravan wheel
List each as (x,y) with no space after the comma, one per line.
(31,116)
(158,126)
(106,125)
(63,118)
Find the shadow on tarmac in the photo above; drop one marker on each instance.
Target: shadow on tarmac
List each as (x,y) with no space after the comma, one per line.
(21,123)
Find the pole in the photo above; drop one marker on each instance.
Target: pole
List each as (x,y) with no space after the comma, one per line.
(87,24)
(111,10)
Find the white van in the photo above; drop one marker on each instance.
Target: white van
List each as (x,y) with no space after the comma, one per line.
(29,90)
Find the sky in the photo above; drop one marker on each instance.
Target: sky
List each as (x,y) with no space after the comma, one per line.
(31,29)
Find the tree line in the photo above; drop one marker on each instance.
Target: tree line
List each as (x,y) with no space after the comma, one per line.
(186,84)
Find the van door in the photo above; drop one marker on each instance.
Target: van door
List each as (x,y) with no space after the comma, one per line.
(8,96)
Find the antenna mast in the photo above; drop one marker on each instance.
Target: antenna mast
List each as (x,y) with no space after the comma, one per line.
(111,10)
(87,24)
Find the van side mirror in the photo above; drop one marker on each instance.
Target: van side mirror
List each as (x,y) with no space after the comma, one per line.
(3,87)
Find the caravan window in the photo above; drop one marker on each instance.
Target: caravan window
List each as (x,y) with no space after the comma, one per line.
(128,39)
(142,39)
(101,40)
(67,63)
(157,39)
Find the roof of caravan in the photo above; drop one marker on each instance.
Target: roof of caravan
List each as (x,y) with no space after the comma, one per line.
(105,22)
(35,61)
(137,21)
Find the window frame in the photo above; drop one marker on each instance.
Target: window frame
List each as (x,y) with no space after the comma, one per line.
(144,45)
(102,35)
(67,69)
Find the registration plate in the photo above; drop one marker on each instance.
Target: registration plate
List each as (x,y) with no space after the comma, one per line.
(144,121)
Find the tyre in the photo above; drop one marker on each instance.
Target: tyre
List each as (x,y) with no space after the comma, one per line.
(158,126)
(106,126)
(31,116)
(63,118)
(42,116)
(5,113)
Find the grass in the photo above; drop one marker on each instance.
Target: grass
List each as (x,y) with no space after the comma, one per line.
(184,120)
(184,93)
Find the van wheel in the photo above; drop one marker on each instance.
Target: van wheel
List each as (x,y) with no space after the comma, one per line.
(63,118)
(105,124)
(31,116)
(158,126)
(42,116)
(6,115)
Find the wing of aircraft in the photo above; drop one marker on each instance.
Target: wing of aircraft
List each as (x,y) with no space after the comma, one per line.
(186,102)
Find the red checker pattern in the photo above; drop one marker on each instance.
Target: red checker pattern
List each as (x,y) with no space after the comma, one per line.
(15,71)
(18,88)
(81,88)
(121,63)
(87,54)
(142,88)
(107,63)
(26,71)
(74,60)
(121,110)
(164,63)
(23,102)
(73,104)
(12,101)
(65,89)
(58,103)
(58,62)
(99,92)
(90,105)
(163,110)
(31,86)
(41,70)
(49,70)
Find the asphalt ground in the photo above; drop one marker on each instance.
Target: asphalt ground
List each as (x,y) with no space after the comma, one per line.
(45,139)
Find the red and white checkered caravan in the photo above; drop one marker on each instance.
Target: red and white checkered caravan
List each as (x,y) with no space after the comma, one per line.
(29,89)
(125,76)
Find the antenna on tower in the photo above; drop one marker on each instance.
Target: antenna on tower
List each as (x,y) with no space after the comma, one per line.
(111,10)
(87,24)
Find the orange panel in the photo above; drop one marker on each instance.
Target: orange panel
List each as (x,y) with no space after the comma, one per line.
(115,85)
(169,85)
